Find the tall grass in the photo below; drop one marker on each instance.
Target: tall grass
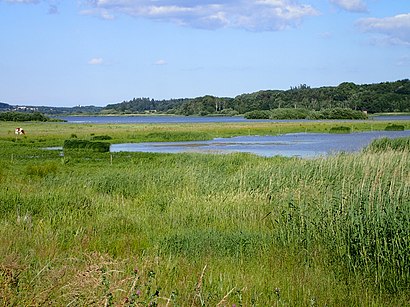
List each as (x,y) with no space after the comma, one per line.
(385,144)
(193,229)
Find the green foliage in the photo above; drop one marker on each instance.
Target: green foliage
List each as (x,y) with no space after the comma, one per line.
(381,97)
(340,129)
(41,170)
(23,117)
(101,137)
(86,145)
(394,127)
(338,113)
(195,229)
(289,113)
(258,114)
(169,136)
(385,144)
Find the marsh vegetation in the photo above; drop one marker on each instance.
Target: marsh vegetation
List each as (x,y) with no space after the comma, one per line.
(138,229)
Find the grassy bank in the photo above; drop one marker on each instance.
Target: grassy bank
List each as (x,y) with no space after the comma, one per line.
(190,229)
(53,134)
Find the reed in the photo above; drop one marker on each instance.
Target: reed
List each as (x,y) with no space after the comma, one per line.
(140,228)
(385,144)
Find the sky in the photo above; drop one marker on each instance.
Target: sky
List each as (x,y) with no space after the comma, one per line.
(98,52)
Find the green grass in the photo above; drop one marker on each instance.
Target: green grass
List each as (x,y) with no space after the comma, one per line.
(384,144)
(394,127)
(340,129)
(132,229)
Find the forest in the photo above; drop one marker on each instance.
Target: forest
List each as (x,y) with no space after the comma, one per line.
(373,98)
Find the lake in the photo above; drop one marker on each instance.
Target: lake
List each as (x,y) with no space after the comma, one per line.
(289,145)
(185,119)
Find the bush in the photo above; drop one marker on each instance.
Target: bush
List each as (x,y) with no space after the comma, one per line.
(258,114)
(23,117)
(101,137)
(338,113)
(86,145)
(290,113)
(340,129)
(394,127)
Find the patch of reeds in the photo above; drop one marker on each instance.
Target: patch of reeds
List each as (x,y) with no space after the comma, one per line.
(386,144)
(394,127)
(76,144)
(101,137)
(340,129)
(205,229)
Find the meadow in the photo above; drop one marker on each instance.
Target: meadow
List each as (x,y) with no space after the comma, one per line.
(142,229)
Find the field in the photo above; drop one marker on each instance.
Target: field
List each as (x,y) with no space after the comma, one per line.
(142,229)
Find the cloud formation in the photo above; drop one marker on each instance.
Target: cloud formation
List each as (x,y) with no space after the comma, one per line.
(256,15)
(95,61)
(357,6)
(52,4)
(396,29)
(22,1)
(161,62)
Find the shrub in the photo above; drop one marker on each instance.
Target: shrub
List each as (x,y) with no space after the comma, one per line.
(101,137)
(258,114)
(338,113)
(394,127)
(290,113)
(86,145)
(23,117)
(340,129)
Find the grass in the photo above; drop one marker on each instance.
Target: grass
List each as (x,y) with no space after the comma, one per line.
(53,134)
(340,129)
(143,229)
(394,127)
(384,144)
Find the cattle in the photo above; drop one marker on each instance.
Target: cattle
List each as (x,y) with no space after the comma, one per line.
(19,131)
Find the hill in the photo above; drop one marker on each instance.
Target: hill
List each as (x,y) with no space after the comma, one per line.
(374,98)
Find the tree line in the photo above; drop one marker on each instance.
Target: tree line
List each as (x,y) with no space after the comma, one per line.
(374,98)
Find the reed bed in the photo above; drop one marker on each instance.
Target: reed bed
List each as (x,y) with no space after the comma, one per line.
(385,144)
(143,229)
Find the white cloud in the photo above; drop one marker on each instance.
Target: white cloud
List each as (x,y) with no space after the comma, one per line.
(160,62)
(357,6)
(52,4)
(395,30)
(95,61)
(258,15)
(22,1)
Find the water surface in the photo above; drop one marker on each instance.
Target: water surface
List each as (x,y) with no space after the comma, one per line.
(289,145)
(189,119)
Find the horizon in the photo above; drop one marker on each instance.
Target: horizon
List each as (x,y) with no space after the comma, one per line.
(95,53)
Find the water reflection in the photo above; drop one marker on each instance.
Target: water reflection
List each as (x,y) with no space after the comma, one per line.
(289,145)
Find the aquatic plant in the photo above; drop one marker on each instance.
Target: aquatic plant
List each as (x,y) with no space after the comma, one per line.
(385,144)
(394,127)
(340,129)
(77,144)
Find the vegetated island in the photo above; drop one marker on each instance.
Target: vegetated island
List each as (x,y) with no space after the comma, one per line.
(14,116)
(345,101)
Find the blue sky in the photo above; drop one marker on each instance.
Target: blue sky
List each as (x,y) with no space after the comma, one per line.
(96,52)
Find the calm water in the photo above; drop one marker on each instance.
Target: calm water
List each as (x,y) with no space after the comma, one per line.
(289,145)
(150,119)
(182,119)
